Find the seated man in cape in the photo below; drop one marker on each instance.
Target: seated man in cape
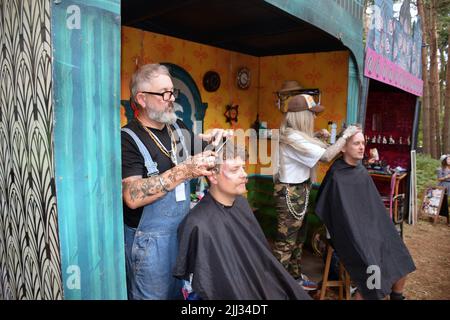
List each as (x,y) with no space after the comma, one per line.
(363,235)
(222,245)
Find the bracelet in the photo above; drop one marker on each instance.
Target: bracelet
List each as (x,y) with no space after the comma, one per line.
(161,181)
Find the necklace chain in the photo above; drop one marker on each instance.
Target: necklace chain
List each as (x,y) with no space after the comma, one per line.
(171,154)
(295,214)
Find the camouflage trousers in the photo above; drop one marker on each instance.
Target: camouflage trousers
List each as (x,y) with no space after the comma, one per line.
(291,232)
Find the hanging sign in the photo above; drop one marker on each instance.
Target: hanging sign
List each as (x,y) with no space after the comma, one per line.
(393,48)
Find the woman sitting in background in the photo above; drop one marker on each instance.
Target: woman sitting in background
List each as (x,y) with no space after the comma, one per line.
(443,176)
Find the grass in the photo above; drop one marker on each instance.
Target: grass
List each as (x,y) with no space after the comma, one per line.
(426,173)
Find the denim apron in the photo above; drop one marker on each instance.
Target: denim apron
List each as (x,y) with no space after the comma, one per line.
(151,248)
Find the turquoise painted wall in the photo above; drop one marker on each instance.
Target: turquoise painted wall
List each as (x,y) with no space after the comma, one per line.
(86,85)
(342,20)
(353,95)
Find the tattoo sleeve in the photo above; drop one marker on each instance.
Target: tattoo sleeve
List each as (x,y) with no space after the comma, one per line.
(190,168)
(332,151)
(143,191)
(142,188)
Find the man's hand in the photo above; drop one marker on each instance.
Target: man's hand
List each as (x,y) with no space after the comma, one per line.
(216,135)
(198,165)
(138,191)
(350,131)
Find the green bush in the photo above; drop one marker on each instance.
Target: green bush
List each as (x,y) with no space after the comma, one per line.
(426,173)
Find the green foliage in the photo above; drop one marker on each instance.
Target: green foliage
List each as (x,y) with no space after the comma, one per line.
(443,20)
(426,172)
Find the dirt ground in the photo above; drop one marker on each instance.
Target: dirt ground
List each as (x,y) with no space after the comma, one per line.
(429,245)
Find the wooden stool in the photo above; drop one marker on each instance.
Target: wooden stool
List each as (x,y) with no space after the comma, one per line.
(344,278)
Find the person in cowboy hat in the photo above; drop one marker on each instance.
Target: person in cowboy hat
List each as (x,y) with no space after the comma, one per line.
(290,86)
(443,176)
(299,151)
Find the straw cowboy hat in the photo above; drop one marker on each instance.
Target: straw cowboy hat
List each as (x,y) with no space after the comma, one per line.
(443,157)
(290,85)
(302,102)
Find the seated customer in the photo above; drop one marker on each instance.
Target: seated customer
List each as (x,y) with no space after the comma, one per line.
(443,175)
(222,245)
(363,235)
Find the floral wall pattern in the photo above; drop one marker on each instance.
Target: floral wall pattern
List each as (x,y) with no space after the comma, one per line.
(141,47)
(327,71)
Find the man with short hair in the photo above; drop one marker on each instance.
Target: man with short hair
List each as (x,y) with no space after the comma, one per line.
(156,169)
(363,235)
(222,245)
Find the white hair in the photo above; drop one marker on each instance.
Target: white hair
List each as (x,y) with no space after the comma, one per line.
(145,74)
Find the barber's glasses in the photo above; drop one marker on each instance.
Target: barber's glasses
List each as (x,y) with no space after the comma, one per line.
(166,95)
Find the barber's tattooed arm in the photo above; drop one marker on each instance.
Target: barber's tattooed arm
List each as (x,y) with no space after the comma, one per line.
(138,192)
(332,151)
(196,166)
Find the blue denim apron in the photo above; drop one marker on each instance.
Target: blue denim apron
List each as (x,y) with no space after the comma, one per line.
(151,248)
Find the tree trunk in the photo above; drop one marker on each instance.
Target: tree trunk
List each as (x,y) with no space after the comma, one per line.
(446,127)
(434,85)
(426,137)
(442,75)
(442,93)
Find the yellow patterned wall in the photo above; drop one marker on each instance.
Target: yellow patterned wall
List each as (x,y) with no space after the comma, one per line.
(141,47)
(326,71)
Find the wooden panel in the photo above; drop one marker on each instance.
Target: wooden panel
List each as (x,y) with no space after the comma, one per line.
(86,40)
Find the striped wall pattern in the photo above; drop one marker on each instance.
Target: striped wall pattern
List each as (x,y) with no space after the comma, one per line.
(29,244)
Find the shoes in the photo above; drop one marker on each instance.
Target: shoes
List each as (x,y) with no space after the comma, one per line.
(397,296)
(353,290)
(307,284)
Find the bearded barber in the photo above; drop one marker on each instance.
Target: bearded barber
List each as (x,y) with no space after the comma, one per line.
(157,164)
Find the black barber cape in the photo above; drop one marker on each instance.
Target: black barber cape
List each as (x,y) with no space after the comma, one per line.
(225,248)
(361,231)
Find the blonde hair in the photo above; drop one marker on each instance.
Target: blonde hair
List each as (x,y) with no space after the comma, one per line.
(303,123)
(146,74)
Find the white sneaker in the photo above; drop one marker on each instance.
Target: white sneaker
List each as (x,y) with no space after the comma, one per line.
(307,284)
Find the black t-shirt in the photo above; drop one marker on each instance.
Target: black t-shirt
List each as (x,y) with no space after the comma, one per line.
(133,162)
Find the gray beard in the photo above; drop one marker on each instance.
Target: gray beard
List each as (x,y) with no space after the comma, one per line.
(166,117)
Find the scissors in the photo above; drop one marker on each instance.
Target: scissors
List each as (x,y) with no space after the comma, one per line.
(218,147)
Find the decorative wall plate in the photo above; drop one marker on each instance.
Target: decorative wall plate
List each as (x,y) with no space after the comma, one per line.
(243,78)
(231,113)
(211,81)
